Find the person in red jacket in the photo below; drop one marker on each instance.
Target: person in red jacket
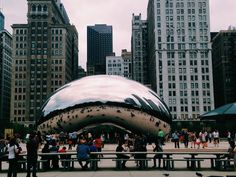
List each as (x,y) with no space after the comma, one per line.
(98,144)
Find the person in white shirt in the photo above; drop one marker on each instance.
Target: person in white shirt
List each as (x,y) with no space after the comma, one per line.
(216,138)
(13,150)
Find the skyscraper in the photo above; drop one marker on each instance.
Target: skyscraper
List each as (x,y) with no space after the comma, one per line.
(45,54)
(139,46)
(2,21)
(180,55)
(127,57)
(99,45)
(5,75)
(224,64)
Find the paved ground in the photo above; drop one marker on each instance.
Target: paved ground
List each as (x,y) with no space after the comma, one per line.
(111,172)
(128,174)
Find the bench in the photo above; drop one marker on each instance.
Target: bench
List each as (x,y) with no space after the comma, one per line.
(195,163)
(143,162)
(23,162)
(222,164)
(212,160)
(69,163)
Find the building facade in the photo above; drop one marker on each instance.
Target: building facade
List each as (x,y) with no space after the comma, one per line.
(45,55)
(180,62)
(127,57)
(2,21)
(224,63)
(99,45)
(139,46)
(5,75)
(114,65)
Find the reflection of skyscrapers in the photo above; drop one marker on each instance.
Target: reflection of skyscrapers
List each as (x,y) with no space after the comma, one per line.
(180,56)
(2,21)
(45,54)
(99,45)
(5,75)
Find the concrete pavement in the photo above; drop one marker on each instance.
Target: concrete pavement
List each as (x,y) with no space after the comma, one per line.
(111,173)
(107,169)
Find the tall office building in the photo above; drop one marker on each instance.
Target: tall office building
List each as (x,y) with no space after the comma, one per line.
(224,64)
(139,46)
(127,57)
(45,55)
(180,55)
(99,45)
(5,75)
(2,21)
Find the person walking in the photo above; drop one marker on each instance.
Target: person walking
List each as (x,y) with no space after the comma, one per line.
(12,149)
(32,154)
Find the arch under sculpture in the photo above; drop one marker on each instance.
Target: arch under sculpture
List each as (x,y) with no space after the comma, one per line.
(105,99)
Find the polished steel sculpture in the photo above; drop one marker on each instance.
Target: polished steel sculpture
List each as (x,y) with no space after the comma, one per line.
(105,99)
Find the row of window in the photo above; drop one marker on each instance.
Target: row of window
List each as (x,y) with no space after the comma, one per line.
(39,8)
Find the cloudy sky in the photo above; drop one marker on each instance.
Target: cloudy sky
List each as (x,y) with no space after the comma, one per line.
(117,13)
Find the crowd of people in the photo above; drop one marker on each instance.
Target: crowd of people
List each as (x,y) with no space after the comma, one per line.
(197,140)
(86,143)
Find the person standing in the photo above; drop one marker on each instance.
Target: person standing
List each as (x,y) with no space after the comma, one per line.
(98,144)
(229,136)
(46,165)
(54,150)
(234,151)
(32,154)
(12,149)
(175,139)
(216,138)
(186,138)
(161,136)
(157,148)
(193,139)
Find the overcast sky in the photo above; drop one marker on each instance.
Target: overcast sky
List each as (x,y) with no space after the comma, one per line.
(117,13)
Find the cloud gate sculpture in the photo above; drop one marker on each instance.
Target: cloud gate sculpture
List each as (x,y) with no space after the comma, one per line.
(105,99)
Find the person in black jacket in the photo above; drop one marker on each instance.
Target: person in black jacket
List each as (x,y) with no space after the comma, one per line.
(32,154)
(157,148)
(120,148)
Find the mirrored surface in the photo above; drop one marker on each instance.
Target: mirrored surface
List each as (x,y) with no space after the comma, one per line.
(108,91)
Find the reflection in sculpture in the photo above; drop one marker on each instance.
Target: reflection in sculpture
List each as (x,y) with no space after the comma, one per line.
(105,99)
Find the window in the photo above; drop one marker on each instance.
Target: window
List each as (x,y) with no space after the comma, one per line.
(33,8)
(39,8)
(45,8)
